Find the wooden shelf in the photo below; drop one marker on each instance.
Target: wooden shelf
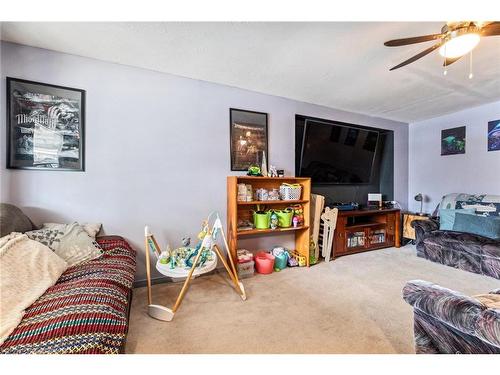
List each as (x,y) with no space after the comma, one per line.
(363,225)
(276,179)
(243,203)
(267,231)
(362,249)
(240,210)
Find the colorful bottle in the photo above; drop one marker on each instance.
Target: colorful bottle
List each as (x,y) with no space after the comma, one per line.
(274,220)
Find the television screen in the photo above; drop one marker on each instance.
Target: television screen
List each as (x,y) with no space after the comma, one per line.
(337,153)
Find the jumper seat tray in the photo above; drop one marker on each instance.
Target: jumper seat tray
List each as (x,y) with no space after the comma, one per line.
(179,272)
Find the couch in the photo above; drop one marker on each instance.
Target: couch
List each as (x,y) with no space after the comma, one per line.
(448,322)
(465,251)
(86,311)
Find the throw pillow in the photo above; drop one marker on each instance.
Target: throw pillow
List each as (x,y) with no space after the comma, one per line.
(486,226)
(70,242)
(92,229)
(12,219)
(447,217)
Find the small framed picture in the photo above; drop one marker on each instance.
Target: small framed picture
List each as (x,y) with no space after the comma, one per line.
(45,126)
(494,135)
(453,141)
(248,138)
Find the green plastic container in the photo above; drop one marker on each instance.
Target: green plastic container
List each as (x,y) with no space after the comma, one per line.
(261,219)
(285,217)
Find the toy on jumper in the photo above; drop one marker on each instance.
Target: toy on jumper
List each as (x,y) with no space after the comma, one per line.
(189,262)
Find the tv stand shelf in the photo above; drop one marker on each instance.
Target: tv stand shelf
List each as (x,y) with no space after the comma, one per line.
(366,229)
(364,225)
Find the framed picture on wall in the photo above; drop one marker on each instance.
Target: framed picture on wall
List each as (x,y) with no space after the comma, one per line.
(45,126)
(453,141)
(248,138)
(494,135)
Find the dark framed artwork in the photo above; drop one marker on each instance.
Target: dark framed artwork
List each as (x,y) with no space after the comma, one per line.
(453,141)
(494,135)
(45,126)
(248,138)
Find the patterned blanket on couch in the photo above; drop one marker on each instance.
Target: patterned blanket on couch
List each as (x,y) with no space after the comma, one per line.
(86,311)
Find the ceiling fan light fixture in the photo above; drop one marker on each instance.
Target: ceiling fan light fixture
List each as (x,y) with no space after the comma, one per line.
(459,45)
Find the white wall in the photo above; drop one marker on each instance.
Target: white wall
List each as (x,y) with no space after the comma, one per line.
(157,147)
(476,171)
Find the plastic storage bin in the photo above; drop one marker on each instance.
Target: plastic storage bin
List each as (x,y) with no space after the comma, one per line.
(285,217)
(290,191)
(261,219)
(246,269)
(264,262)
(244,255)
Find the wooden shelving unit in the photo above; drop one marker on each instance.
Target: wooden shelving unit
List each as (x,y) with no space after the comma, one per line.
(243,210)
(263,203)
(264,231)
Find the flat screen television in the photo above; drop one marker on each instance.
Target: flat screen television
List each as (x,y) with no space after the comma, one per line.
(337,153)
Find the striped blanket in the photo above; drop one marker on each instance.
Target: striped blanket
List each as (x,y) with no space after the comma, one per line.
(86,311)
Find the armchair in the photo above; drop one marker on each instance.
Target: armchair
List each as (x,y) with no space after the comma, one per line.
(449,322)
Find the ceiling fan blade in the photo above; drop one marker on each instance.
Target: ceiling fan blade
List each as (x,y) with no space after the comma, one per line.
(417,39)
(491,29)
(418,56)
(449,61)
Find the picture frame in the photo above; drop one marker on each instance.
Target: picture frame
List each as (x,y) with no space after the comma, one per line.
(494,135)
(45,126)
(248,132)
(453,141)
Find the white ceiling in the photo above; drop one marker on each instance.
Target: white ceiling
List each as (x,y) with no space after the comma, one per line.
(339,64)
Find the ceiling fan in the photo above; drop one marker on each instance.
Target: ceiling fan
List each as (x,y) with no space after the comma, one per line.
(455,40)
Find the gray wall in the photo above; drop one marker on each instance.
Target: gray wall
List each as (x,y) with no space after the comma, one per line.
(476,171)
(157,147)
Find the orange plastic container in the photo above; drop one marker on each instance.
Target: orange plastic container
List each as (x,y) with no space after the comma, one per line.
(264,262)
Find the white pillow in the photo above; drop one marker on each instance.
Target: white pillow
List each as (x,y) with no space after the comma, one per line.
(28,269)
(92,229)
(70,242)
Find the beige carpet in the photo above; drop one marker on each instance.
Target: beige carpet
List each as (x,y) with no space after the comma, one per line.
(350,305)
